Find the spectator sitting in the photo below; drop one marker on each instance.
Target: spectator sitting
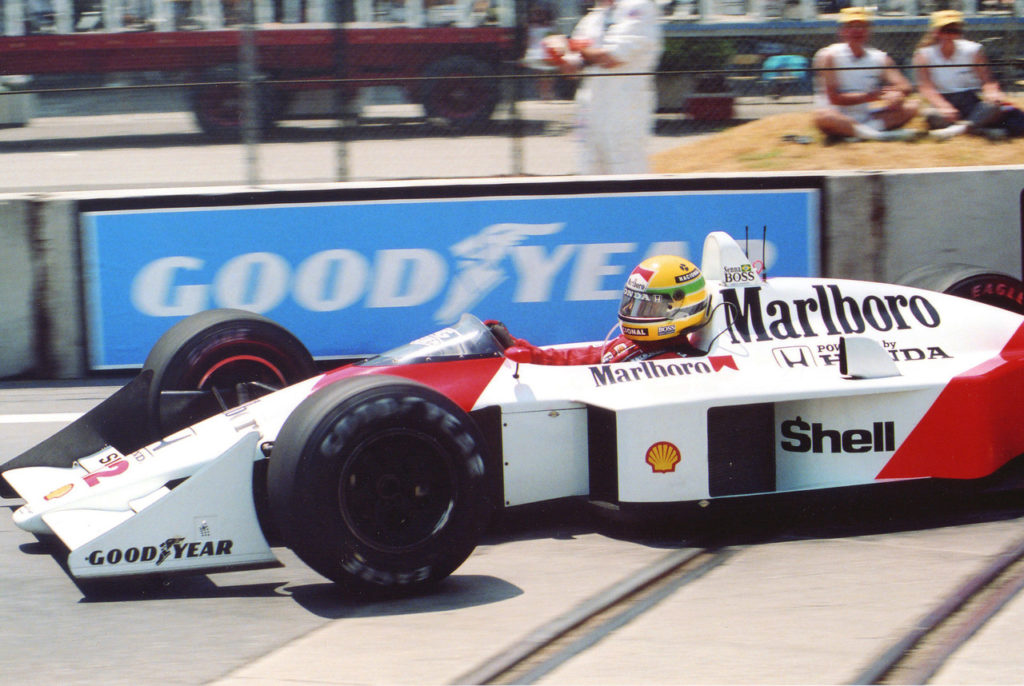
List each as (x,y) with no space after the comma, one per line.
(953,76)
(859,92)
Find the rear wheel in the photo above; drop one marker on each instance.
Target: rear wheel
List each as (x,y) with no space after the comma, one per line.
(973,283)
(378,484)
(216,360)
(219,108)
(462,103)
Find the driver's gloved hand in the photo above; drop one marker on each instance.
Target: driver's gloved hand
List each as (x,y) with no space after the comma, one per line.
(500,332)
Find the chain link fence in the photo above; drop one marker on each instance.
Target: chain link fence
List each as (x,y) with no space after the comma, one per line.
(284,91)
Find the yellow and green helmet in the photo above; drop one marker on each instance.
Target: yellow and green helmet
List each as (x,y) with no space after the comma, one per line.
(664,297)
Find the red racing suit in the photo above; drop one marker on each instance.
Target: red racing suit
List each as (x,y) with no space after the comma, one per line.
(619,349)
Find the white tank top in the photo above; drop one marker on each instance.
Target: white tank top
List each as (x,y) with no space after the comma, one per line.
(866,78)
(857,80)
(948,78)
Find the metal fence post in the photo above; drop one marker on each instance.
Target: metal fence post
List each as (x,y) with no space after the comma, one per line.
(521,11)
(248,73)
(339,16)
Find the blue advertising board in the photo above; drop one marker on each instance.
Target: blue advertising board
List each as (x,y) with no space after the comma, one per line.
(352,278)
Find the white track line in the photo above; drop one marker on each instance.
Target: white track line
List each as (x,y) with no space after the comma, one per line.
(52,417)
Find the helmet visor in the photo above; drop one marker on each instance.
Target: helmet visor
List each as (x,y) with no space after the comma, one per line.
(640,307)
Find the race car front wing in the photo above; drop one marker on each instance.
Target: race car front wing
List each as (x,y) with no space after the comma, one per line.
(208,521)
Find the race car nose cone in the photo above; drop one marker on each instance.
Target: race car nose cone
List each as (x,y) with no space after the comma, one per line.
(25,518)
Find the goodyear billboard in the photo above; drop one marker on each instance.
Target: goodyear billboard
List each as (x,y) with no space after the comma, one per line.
(353,277)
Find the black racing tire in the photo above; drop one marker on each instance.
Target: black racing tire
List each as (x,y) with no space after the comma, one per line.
(233,356)
(970,282)
(378,484)
(463,104)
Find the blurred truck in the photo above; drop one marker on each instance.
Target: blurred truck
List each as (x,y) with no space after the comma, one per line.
(310,68)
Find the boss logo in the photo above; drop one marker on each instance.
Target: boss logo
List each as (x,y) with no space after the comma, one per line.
(744,274)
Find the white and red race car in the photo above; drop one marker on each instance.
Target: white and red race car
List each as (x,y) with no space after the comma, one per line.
(381,474)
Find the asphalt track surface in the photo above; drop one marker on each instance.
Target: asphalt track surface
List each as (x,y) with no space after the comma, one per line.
(147,140)
(813,590)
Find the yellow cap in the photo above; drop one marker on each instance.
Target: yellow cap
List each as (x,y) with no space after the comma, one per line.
(946,18)
(848,14)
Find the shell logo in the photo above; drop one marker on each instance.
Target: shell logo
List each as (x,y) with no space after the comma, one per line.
(57,493)
(663,457)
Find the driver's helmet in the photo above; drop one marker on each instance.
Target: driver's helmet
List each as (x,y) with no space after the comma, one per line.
(664,297)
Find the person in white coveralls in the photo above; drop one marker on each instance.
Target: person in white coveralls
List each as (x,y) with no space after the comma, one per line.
(614,114)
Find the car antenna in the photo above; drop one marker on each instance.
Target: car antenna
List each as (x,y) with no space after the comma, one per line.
(764,251)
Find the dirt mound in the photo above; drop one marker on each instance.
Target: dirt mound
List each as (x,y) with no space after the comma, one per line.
(772,144)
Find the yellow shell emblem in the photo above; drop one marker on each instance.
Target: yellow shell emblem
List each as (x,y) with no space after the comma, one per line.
(58,492)
(663,457)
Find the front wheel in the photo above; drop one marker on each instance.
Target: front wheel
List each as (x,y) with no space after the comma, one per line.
(377,483)
(970,282)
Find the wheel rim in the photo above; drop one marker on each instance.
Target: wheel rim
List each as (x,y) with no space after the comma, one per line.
(239,367)
(237,378)
(397,490)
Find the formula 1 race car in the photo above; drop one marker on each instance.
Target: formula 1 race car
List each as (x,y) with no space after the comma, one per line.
(382,474)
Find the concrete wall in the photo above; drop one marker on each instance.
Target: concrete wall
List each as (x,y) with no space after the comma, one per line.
(876,226)
(879,226)
(60,345)
(17,343)
(971,215)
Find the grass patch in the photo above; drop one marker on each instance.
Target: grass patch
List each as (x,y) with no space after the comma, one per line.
(760,145)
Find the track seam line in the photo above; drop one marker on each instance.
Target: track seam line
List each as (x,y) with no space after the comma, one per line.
(605,628)
(888,660)
(990,605)
(39,418)
(491,670)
